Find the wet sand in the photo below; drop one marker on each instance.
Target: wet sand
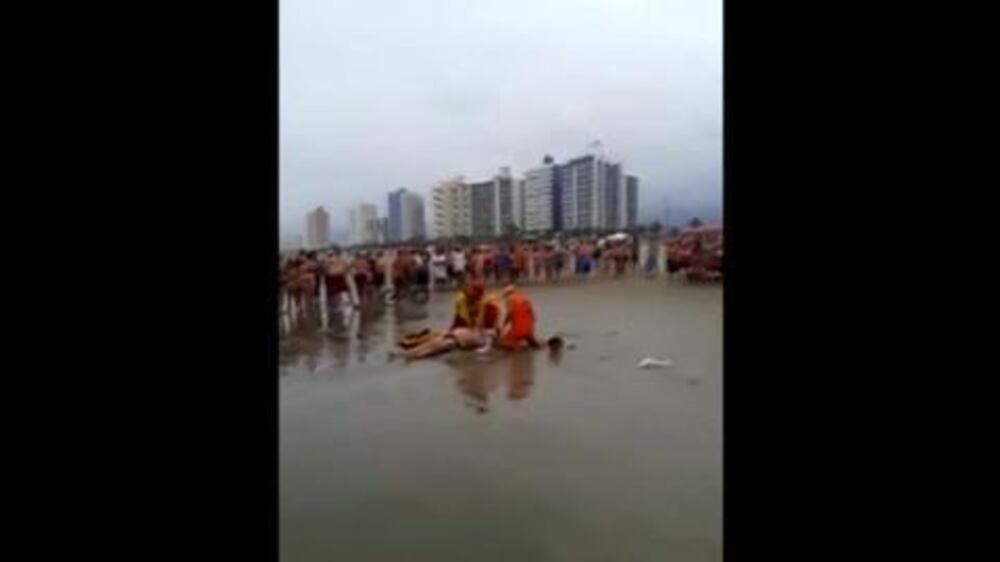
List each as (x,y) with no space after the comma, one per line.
(506,457)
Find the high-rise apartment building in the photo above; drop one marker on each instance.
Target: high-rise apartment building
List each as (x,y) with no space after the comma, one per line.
(414,224)
(494,205)
(318,228)
(594,193)
(396,215)
(406,215)
(582,201)
(365,224)
(538,197)
(483,208)
(585,192)
(508,201)
(614,196)
(521,204)
(383,229)
(631,200)
(452,208)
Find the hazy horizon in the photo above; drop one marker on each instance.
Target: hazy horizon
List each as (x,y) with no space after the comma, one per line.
(387,94)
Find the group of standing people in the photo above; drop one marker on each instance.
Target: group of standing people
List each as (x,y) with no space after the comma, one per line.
(349,279)
(389,273)
(549,261)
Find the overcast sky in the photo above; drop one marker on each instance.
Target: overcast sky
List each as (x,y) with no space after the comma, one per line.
(382,94)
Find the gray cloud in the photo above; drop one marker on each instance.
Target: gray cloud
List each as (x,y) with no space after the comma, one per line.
(381,94)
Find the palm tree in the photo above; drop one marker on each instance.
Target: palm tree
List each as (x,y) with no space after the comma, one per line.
(695,222)
(656,227)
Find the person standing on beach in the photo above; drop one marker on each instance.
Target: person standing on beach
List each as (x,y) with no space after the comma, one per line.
(622,258)
(376,273)
(449,265)
(305,282)
(515,264)
(538,262)
(362,277)
(439,268)
(521,260)
(489,265)
(560,259)
(503,264)
(549,259)
(293,274)
(634,255)
(421,268)
(478,259)
(385,266)
(400,271)
(607,258)
(596,255)
(582,260)
(458,265)
(335,268)
(317,268)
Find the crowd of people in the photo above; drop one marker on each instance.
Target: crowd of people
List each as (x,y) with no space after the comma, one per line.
(482,320)
(389,273)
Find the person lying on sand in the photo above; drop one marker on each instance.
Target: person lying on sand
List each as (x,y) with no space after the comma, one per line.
(432,344)
(466,339)
(472,310)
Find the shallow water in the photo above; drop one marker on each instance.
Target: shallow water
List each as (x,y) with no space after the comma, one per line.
(520,456)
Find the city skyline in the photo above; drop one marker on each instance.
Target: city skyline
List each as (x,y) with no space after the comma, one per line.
(589,191)
(378,96)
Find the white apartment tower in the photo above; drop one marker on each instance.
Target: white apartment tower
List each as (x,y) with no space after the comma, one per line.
(594,193)
(452,208)
(365,224)
(538,193)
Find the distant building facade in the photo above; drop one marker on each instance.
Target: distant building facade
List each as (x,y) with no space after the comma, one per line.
(383,229)
(588,192)
(631,200)
(396,215)
(365,224)
(594,193)
(539,193)
(414,223)
(483,208)
(406,216)
(452,204)
(508,201)
(614,196)
(494,205)
(318,228)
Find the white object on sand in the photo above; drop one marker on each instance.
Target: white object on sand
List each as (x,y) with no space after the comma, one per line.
(654,363)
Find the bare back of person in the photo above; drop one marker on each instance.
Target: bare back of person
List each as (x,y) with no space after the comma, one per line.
(456,338)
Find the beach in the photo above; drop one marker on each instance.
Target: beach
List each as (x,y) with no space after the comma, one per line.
(508,456)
